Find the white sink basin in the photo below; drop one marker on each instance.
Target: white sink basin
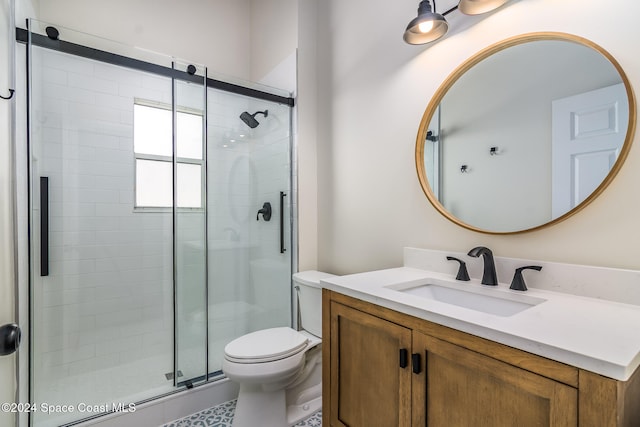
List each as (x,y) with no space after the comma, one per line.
(487,299)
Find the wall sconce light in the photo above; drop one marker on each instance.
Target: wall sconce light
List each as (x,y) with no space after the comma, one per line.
(429,26)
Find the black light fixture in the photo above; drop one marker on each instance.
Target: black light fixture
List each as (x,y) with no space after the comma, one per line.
(429,26)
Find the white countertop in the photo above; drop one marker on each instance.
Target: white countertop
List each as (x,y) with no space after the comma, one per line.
(593,334)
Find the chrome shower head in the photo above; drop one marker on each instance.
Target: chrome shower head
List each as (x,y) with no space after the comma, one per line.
(250,119)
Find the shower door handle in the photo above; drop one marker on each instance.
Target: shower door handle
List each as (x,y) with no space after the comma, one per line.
(282,196)
(44,226)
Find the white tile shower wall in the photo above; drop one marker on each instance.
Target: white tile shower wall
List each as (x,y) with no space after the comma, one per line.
(108,299)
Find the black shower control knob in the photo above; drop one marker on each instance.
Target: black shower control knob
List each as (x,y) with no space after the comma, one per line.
(10,335)
(265,212)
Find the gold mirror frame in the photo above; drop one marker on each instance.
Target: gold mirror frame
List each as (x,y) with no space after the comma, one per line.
(470,63)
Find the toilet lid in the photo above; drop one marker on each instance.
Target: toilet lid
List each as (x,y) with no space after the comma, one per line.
(266,345)
(311,277)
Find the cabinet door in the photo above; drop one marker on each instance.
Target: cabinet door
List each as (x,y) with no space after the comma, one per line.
(368,386)
(464,388)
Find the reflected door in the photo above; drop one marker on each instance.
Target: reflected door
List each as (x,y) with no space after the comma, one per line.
(588,131)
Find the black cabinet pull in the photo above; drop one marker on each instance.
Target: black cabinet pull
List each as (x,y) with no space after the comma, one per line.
(415,363)
(44,226)
(404,357)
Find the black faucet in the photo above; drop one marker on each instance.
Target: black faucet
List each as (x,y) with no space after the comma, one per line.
(489,276)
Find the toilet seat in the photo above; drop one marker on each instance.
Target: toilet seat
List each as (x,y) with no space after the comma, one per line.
(266,345)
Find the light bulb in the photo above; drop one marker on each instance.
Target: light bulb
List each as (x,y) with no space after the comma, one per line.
(425,26)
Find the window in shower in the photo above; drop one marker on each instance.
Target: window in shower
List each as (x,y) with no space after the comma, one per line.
(153,148)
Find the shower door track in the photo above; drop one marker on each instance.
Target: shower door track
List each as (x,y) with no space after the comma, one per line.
(22,36)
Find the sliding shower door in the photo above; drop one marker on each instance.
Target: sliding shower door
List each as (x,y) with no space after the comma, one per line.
(249,254)
(102,170)
(159,223)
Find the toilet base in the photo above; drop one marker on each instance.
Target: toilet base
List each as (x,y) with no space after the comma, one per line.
(256,407)
(259,406)
(297,413)
(305,398)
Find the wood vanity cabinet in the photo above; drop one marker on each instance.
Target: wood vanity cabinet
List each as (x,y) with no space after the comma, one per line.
(448,378)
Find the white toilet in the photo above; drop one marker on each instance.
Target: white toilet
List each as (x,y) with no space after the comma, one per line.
(280,369)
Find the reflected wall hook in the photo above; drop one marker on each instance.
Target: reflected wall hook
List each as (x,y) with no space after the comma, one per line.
(11,92)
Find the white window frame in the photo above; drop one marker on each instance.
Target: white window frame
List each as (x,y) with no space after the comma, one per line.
(169,159)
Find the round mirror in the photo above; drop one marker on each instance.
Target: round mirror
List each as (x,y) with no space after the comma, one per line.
(525,133)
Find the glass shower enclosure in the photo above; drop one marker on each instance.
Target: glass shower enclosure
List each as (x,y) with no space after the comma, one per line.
(147,251)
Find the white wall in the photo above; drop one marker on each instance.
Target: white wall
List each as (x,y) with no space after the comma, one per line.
(273,36)
(377,88)
(307,134)
(237,39)
(210,32)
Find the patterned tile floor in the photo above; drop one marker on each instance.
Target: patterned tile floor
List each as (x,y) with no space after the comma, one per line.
(221,416)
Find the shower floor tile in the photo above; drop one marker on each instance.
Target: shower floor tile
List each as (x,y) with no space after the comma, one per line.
(222,415)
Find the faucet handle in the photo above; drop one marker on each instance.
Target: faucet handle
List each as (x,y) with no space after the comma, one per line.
(463,274)
(517,284)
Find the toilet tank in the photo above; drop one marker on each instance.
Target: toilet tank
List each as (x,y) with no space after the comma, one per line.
(307,284)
